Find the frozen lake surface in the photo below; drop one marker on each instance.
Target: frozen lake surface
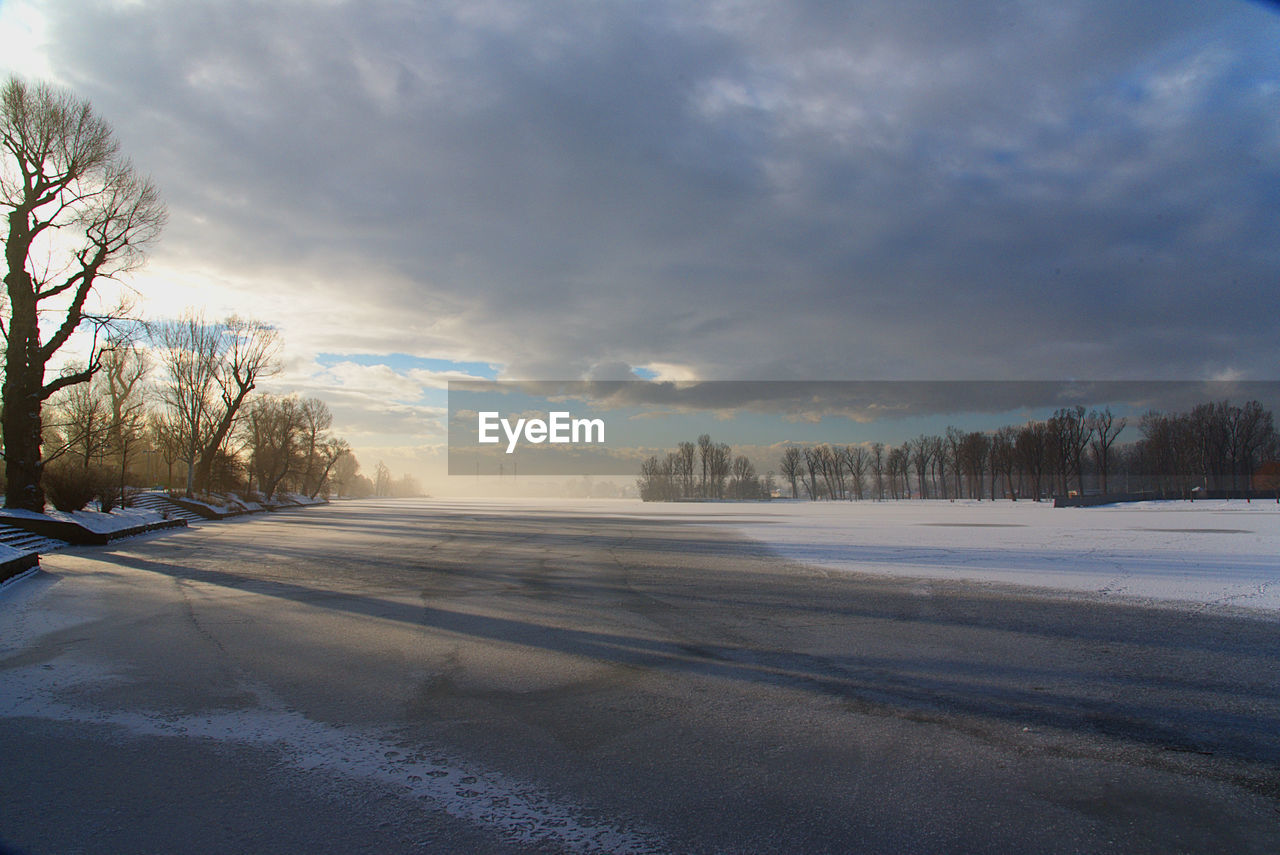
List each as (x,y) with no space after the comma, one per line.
(534,676)
(1207,552)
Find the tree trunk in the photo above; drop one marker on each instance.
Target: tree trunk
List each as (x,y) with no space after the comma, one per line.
(22,464)
(204,468)
(23,388)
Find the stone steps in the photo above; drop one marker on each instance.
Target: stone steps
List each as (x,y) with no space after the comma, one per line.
(161,504)
(26,541)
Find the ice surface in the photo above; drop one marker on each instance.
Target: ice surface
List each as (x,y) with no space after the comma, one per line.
(1204,552)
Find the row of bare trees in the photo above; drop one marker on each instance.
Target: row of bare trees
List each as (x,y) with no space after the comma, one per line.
(1215,446)
(182,394)
(702,470)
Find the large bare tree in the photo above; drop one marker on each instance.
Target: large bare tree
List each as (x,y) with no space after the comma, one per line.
(77,213)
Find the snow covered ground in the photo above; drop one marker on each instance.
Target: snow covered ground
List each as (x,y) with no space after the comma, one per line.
(1206,552)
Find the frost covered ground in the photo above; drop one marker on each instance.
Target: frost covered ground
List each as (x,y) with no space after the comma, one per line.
(1207,552)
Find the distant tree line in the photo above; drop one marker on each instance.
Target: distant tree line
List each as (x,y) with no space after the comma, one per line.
(701,470)
(386,486)
(1214,446)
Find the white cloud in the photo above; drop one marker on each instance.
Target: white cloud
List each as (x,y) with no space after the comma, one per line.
(24,41)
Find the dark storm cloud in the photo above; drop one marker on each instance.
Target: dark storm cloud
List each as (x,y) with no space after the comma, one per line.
(865,401)
(748,190)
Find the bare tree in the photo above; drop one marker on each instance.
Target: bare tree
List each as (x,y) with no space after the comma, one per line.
(832,471)
(1032,450)
(920,454)
(1070,432)
(954,437)
(1158,450)
(974,451)
(330,453)
(274,430)
(941,459)
(78,214)
(316,421)
(124,366)
(704,451)
(165,438)
(247,353)
(720,460)
(188,352)
(382,480)
(877,468)
(655,481)
(813,465)
(1255,438)
(79,426)
(686,454)
(345,471)
(898,465)
(210,371)
(1003,460)
(744,483)
(1104,428)
(792,467)
(856,460)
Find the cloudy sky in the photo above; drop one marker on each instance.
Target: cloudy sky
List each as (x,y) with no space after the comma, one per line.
(712,190)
